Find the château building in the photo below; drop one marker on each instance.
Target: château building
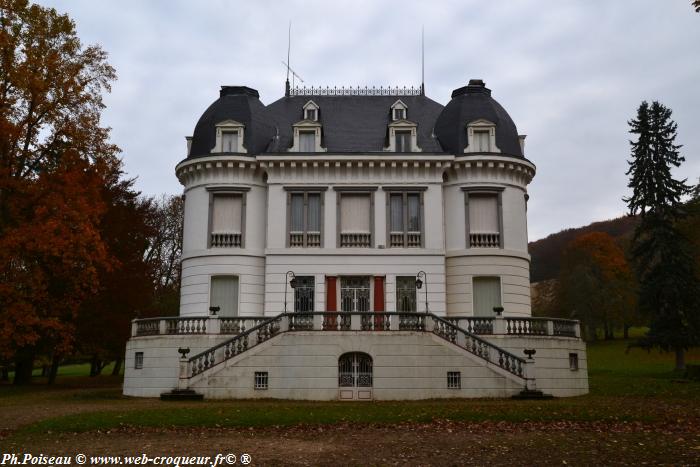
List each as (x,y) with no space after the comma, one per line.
(355,244)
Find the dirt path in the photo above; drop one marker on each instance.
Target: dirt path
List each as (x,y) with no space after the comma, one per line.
(440,444)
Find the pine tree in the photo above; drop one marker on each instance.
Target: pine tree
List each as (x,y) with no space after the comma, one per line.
(669,290)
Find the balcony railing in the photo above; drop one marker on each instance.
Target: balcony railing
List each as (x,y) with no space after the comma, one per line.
(405,239)
(362,321)
(297,240)
(226,239)
(484,240)
(355,240)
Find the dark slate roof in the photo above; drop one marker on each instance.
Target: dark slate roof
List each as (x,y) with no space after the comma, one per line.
(352,124)
(238,103)
(474,102)
(355,123)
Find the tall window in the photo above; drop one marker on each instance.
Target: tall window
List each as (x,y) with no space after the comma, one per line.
(226,221)
(406,294)
(484,222)
(229,141)
(482,141)
(305,220)
(354,294)
(307,141)
(405,220)
(403,141)
(486,295)
(355,220)
(224,294)
(304,294)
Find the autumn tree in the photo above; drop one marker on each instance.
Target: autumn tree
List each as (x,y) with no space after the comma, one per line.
(54,160)
(163,253)
(669,290)
(596,284)
(103,324)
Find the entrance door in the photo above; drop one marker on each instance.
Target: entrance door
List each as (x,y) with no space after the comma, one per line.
(355,376)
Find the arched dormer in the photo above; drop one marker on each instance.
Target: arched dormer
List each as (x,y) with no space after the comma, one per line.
(230,137)
(481,136)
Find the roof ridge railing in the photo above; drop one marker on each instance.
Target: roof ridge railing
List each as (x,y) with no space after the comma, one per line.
(356,91)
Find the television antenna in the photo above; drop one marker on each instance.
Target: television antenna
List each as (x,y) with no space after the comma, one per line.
(294,74)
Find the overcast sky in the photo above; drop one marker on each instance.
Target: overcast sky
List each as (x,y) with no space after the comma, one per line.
(570,73)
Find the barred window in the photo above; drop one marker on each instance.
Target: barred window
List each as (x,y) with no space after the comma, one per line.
(454,380)
(138,360)
(261,380)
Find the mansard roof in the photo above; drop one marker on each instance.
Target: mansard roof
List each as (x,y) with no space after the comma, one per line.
(355,122)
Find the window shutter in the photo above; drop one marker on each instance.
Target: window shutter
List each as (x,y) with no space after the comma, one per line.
(314,215)
(224,294)
(483,213)
(487,295)
(414,213)
(297,213)
(396,208)
(227,214)
(354,213)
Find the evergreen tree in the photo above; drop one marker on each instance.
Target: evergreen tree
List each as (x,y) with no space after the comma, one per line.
(668,283)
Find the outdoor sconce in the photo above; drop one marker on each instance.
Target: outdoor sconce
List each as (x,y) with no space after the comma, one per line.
(292,283)
(419,285)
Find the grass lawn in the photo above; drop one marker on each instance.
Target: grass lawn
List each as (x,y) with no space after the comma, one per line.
(637,409)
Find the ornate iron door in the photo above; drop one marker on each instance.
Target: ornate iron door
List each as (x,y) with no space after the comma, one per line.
(304,294)
(405,294)
(354,294)
(355,376)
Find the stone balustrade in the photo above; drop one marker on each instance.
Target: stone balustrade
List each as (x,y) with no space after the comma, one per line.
(369,321)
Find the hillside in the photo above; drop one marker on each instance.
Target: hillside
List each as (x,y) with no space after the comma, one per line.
(547,251)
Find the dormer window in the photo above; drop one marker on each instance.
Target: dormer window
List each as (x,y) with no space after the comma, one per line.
(311,111)
(229,137)
(398,110)
(307,141)
(402,141)
(229,141)
(481,137)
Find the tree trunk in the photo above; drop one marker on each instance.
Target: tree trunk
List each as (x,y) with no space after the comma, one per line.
(117,366)
(626,331)
(680,359)
(5,374)
(95,366)
(24,365)
(54,369)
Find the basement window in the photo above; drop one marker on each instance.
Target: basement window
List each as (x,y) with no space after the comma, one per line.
(573,361)
(454,380)
(138,360)
(261,380)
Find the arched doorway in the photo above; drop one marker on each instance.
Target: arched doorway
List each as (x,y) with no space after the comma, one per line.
(355,376)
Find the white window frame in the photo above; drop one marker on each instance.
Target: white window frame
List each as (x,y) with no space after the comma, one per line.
(481,125)
(488,190)
(239,191)
(229,126)
(238,292)
(500,289)
(311,105)
(399,105)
